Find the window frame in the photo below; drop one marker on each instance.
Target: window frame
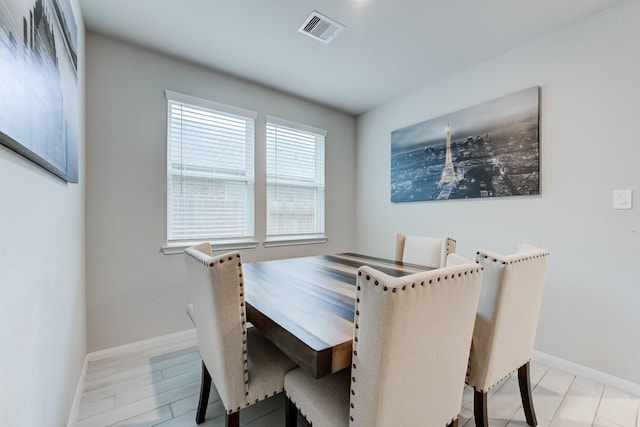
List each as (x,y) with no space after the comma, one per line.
(275,240)
(245,242)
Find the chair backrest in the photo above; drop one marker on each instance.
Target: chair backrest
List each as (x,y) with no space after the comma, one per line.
(411,345)
(216,290)
(423,250)
(507,315)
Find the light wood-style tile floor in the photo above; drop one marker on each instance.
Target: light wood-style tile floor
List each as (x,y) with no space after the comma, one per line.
(159,386)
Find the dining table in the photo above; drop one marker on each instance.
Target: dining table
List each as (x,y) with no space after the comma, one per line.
(305,305)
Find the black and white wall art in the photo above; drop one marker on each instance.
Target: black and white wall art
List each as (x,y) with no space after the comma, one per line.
(39,83)
(488,150)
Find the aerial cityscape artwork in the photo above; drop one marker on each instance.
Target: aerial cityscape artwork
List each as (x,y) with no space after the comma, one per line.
(488,150)
(39,83)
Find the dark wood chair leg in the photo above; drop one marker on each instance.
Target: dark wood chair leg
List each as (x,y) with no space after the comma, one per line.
(480,408)
(291,414)
(205,388)
(524,380)
(453,423)
(232,420)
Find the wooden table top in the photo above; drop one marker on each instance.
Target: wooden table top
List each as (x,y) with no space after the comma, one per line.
(305,306)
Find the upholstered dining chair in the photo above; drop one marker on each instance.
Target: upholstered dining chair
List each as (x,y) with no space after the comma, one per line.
(246,368)
(506,324)
(410,351)
(423,250)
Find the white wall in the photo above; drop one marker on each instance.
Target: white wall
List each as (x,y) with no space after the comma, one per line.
(42,277)
(134,292)
(590,108)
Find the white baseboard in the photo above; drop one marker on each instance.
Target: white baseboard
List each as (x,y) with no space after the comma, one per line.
(189,336)
(79,388)
(583,371)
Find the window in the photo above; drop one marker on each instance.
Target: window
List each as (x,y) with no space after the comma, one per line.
(210,176)
(295,180)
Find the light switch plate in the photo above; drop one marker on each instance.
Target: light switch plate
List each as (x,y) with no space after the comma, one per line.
(622,199)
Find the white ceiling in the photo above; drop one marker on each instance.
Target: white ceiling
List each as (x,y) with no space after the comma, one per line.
(388,48)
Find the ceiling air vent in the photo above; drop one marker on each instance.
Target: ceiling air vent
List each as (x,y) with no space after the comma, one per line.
(320,27)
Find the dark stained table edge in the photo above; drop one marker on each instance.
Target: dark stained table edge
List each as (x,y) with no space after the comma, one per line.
(316,363)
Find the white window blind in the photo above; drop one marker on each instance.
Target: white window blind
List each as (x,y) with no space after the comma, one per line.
(295,180)
(210,172)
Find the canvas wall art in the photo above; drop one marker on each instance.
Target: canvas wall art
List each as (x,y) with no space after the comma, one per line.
(488,150)
(39,83)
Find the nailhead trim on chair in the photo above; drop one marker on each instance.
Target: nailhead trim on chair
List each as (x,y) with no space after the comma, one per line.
(244,333)
(449,244)
(243,325)
(244,329)
(501,379)
(200,260)
(385,288)
(540,255)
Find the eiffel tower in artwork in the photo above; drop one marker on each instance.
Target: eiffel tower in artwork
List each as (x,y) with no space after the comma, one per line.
(448,173)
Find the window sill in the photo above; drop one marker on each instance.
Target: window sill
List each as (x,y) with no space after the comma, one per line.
(272,243)
(215,246)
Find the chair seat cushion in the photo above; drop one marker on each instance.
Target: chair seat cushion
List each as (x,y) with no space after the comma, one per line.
(267,367)
(323,401)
